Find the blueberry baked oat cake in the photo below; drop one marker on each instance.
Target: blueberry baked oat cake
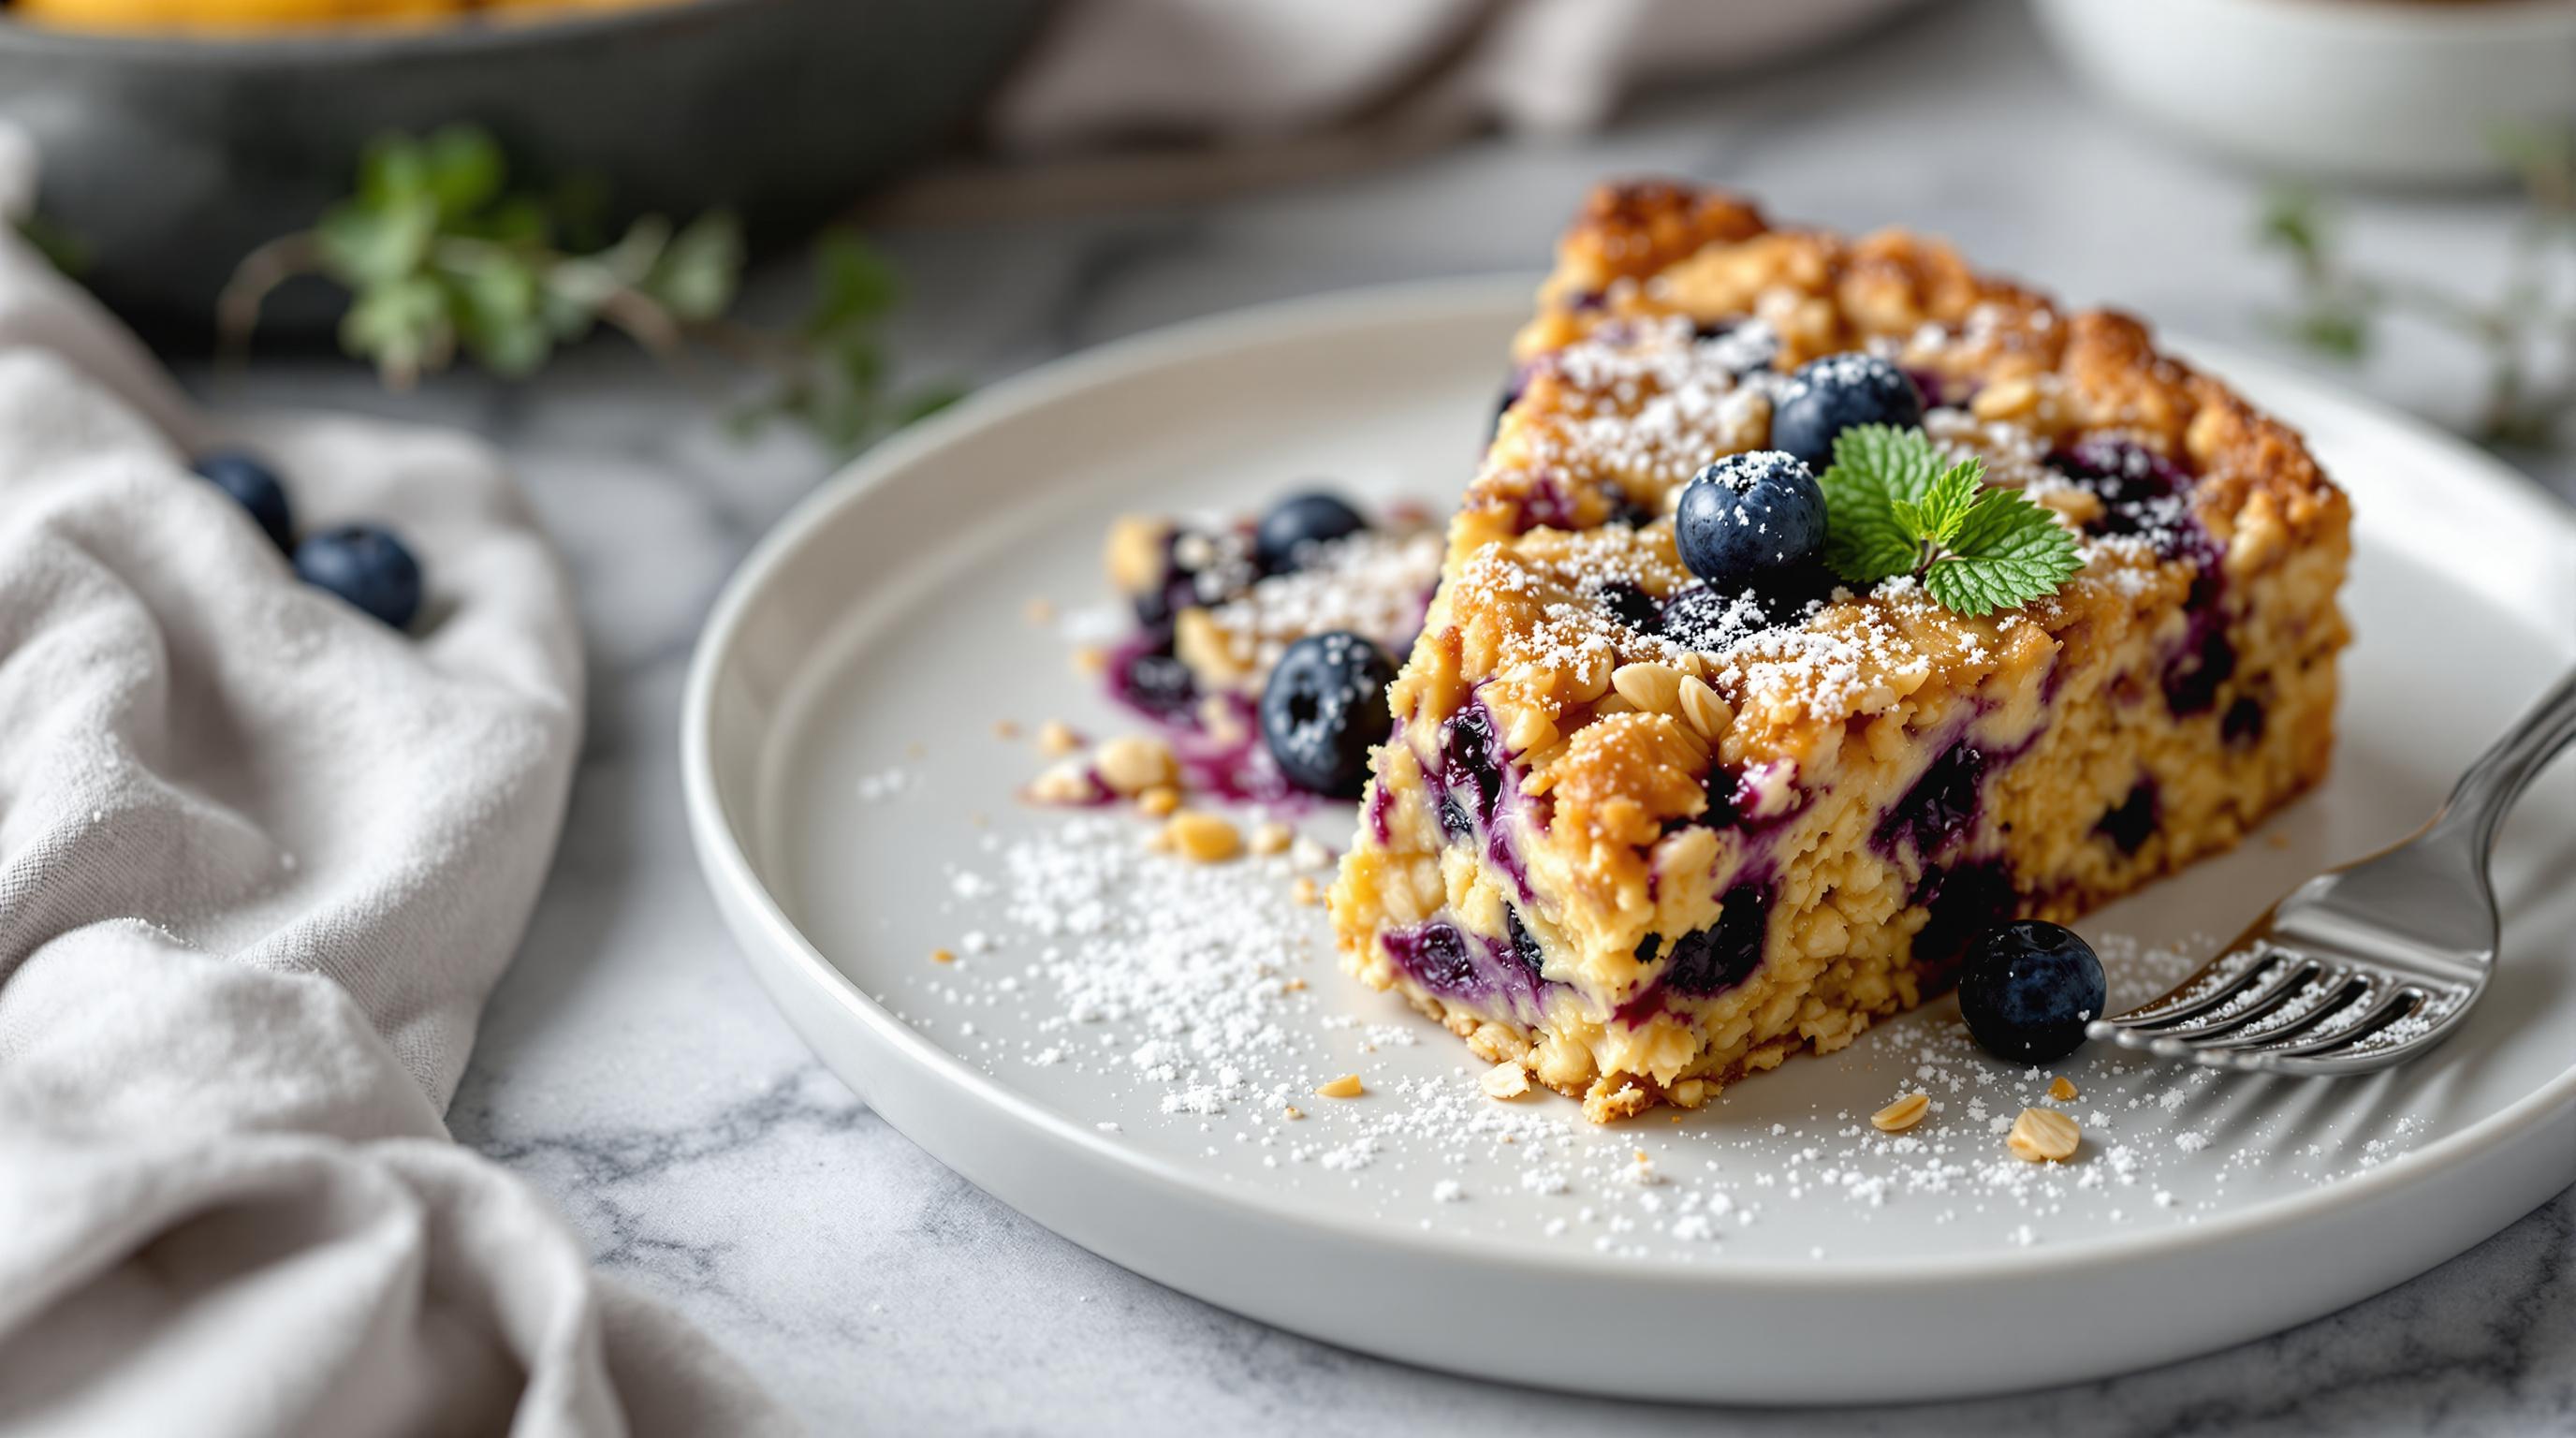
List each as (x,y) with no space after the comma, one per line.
(1983,610)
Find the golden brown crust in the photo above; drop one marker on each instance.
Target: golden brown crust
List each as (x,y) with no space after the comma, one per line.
(1651,248)
(1619,734)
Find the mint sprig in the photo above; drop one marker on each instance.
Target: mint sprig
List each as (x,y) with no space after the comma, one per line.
(1892,507)
(443,259)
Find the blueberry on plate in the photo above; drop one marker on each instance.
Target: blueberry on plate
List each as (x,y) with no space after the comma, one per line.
(366,566)
(1749,518)
(1830,395)
(1298,523)
(2028,989)
(1324,709)
(255,487)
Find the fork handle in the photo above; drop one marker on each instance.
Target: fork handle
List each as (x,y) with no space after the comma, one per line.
(2485,794)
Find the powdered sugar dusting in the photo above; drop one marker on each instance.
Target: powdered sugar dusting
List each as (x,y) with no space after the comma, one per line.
(1196,1010)
(1374,583)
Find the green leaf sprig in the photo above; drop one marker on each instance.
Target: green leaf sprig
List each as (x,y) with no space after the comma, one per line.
(1893,508)
(442,258)
(2519,329)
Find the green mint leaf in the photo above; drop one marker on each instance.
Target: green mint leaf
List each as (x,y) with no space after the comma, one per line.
(401,325)
(364,244)
(1891,505)
(1903,459)
(1864,540)
(392,170)
(699,271)
(853,282)
(2291,222)
(2009,550)
(1946,501)
(461,169)
(498,311)
(1873,495)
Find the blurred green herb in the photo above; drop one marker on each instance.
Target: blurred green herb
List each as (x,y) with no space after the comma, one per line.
(441,257)
(2342,306)
(60,247)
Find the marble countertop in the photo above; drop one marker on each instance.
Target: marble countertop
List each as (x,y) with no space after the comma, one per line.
(630,1069)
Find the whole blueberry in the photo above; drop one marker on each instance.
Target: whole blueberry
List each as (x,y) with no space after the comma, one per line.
(255,487)
(366,566)
(1750,517)
(2027,990)
(1296,524)
(1830,395)
(1324,709)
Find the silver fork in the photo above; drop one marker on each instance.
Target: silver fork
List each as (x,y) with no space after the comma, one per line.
(2368,965)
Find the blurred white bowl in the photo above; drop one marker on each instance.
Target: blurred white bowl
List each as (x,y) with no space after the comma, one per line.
(2390,90)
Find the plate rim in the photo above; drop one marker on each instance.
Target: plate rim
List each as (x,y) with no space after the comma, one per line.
(729,869)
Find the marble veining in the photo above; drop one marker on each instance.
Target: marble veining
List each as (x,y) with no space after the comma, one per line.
(630,1068)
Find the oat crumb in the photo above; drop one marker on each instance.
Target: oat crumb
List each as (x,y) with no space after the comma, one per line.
(2044,1136)
(1203,838)
(1903,1114)
(1055,737)
(1347,1086)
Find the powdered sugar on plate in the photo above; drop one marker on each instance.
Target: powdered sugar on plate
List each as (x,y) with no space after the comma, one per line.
(1201,1007)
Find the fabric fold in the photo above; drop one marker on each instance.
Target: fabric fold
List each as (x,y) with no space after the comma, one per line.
(261,860)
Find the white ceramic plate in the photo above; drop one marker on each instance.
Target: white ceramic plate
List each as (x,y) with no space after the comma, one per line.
(843,773)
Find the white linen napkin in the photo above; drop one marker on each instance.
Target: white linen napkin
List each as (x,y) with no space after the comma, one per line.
(261,858)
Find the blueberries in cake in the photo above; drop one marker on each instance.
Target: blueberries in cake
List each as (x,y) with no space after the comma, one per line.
(1324,709)
(2242,724)
(1711,619)
(1960,903)
(1436,955)
(1524,943)
(1635,607)
(1154,680)
(2129,823)
(1627,511)
(255,487)
(366,566)
(2135,484)
(1467,759)
(1749,517)
(1199,568)
(1454,821)
(2206,661)
(1711,960)
(2029,989)
(1725,797)
(1942,804)
(1830,395)
(1295,525)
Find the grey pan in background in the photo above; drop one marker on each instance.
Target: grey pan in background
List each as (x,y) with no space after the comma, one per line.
(168,158)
